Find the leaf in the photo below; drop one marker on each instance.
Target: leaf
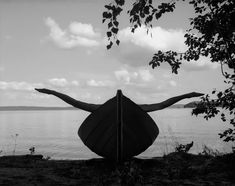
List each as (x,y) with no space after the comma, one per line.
(117,10)
(146,10)
(110,24)
(120,2)
(117,42)
(108,7)
(149,19)
(116,23)
(114,30)
(110,45)
(107,15)
(157,15)
(109,34)
(219,94)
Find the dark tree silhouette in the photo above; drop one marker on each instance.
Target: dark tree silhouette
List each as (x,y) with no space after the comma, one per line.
(214,23)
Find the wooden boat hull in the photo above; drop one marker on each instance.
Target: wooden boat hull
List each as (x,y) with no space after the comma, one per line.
(118,130)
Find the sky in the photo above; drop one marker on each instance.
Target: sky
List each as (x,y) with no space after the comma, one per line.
(61,45)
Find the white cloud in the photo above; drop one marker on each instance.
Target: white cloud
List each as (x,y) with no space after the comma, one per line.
(95,83)
(82,29)
(60,82)
(203,63)
(75,83)
(145,75)
(125,76)
(57,82)
(161,39)
(167,75)
(139,76)
(173,83)
(7,37)
(137,49)
(76,35)
(13,85)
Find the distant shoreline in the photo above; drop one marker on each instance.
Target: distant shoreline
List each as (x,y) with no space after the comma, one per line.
(31,108)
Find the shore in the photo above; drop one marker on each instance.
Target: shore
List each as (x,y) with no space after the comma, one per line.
(172,169)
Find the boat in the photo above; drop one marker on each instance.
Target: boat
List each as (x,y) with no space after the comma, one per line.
(118,130)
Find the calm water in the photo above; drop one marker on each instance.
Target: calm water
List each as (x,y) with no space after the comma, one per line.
(54,133)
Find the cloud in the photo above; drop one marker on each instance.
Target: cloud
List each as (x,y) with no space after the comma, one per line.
(78,34)
(134,82)
(172,83)
(145,75)
(159,39)
(83,29)
(8,37)
(60,82)
(95,83)
(143,84)
(75,83)
(137,49)
(56,82)
(125,76)
(25,90)
(20,86)
(203,63)
(138,76)
(2,69)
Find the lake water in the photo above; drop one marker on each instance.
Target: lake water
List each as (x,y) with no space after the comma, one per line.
(54,133)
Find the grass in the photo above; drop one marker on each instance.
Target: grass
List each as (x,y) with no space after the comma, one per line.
(15,140)
(210,167)
(176,168)
(207,151)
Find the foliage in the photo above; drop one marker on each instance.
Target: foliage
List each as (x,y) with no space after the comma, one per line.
(183,148)
(128,174)
(207,151)
(32,150)
(47,158)
(212,34)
